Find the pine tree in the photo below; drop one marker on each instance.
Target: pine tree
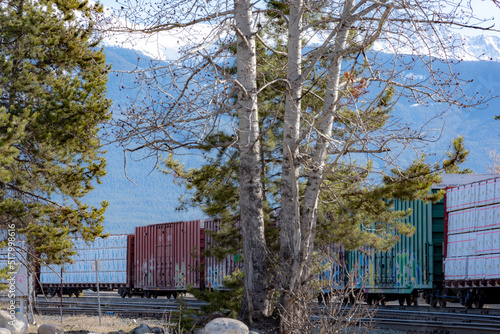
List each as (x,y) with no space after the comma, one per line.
(52,103)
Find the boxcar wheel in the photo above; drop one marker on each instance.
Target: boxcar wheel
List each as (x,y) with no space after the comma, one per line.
(155,295)
(478,302)
(401,301)
(369,299)
(352,299)
(409,300)
(442,303)
(427,298)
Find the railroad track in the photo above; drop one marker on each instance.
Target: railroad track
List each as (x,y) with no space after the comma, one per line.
(421,319)
(156,308)
(425,319)
(432,321)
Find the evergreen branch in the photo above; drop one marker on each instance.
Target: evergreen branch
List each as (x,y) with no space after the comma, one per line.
(270,48)
(28,193)
(272,82)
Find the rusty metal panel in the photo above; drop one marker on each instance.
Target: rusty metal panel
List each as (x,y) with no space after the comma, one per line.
(130,260)
(168,256)
(216,269)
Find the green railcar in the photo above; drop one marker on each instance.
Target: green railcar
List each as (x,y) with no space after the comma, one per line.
(413,265)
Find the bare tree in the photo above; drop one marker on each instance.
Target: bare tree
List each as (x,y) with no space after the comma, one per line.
(331,56)
(495,167)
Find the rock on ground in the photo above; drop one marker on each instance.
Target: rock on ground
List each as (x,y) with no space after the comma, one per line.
(118,332)
(50,329)
(18,325)
(141,329)
(225,326)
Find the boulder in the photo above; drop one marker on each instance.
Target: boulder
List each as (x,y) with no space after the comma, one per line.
(225,326)
(4,331)
(50,329)
(14,322)
(157,330)
(141,329)
(118,332)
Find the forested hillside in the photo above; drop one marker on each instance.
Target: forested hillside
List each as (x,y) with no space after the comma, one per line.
(154,196)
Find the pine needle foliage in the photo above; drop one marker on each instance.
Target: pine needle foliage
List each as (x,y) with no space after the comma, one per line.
(52,103)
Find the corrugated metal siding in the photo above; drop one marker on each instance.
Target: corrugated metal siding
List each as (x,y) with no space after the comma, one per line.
(130,261)
(168,256)
(473,232)
(215,269)
(111,252)
(332,269)
(413,262)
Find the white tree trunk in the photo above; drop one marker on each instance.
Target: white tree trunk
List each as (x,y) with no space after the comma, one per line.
(297,228)
(251,202)
(324,129)
(290,233)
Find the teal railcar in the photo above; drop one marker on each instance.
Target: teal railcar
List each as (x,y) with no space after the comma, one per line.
(413,265)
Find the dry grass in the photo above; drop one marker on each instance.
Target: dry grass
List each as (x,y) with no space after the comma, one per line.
(91,323)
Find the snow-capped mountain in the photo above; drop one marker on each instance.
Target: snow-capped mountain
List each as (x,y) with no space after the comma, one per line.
(444,44)
(438,41)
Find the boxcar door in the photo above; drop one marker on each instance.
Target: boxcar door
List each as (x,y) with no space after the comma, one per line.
(167,254)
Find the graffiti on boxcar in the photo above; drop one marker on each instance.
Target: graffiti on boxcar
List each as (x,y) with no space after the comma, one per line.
(180,275)
(144,272)
(151,271)
(406,269)
(212,279)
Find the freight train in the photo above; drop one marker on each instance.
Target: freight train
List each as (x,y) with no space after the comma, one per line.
(156,260)
(454,255)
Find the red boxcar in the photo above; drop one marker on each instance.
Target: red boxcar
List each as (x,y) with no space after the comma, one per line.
(165,259)
(216,270)
(168,258)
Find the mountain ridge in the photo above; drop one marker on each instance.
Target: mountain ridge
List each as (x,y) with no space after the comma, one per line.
(154,197)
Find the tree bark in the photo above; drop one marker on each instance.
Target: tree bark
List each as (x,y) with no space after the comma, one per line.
(256,301)
(298,224)
(324,129)
(290,233)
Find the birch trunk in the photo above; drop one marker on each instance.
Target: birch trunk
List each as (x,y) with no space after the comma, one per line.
(324,129)
(256,302)
(290,233)
(298,225)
